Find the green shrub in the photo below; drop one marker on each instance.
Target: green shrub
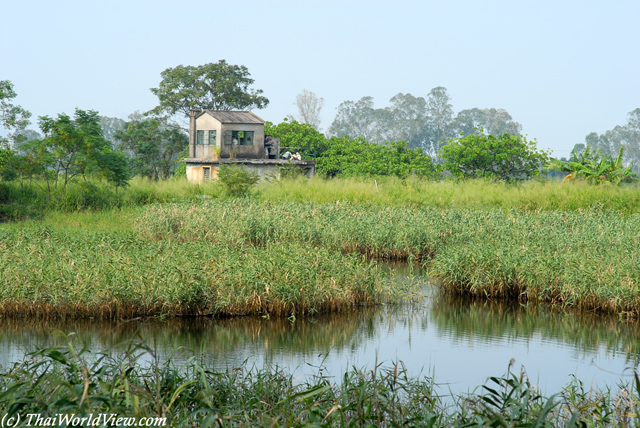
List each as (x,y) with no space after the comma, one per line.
(237,180)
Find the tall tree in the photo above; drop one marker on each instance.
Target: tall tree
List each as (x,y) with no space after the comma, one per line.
(111,125)
(309,107)
(13,118)
(355,119)
(439,118)
(490,120)
(215,86)
(73,147)
(406,119)
(154,148)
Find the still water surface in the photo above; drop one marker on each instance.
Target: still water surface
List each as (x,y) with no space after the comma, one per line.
(460,343)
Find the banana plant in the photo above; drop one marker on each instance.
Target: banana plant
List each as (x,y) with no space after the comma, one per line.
(593,167)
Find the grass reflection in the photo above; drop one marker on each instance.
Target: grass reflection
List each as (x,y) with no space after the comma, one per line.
(466,319)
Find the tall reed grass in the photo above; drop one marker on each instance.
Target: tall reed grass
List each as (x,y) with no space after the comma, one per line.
(64,381)
(532,196)
(33,200)
(47,273)
(585,259)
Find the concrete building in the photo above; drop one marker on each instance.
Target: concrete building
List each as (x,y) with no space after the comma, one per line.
(233,137)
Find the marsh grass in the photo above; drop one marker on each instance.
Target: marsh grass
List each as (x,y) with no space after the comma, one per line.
(32,201)
(532,196)
(46,273)
(68,381)
(587,259)
(573,244)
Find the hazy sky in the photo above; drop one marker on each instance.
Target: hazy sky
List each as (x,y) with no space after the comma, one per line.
(560,68)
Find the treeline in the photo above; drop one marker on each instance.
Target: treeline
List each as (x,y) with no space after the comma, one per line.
(424,123)
(504,157)
(343,157)
(89,145)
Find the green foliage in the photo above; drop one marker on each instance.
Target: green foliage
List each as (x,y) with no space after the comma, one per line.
(237,180)
(594,168)
(181,170)
(505,157)
(155,148)
(359,158)
(215,86)
(73,147)
(6,156)
(114,167)
(302,136)
(342,157)
(63,381)
(12,118)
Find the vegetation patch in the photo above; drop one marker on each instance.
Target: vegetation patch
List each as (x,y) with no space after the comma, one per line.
(583,259)
(46,273)
(62,382)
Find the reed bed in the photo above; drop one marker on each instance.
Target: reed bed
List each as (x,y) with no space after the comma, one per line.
(30,200)
(46,273)
(379,232)
(530,196)
(586,259)
(57,383)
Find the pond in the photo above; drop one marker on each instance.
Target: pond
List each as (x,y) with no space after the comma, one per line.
(459,343)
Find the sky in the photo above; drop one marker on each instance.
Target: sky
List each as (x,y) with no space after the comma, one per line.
(562,69)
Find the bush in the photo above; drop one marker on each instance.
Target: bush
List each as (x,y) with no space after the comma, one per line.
(237,180)
(505,157)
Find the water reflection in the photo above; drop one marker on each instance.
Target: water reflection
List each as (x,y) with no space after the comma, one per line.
(460,342)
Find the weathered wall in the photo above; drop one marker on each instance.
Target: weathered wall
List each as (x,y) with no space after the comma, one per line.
(207,123)
(268,171)
(256,151)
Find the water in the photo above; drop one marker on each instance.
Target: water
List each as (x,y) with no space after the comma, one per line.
(459,343)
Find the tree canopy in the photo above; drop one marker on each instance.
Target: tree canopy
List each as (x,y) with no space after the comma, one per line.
(73,147)
(425,123)
(13,118)
(215,86)
(344,157)
(499,156)
(153,147)
(492,121)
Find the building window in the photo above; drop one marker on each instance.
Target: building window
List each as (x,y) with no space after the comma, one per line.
(206,172)
(199,137)
(244,138)
(212,138)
